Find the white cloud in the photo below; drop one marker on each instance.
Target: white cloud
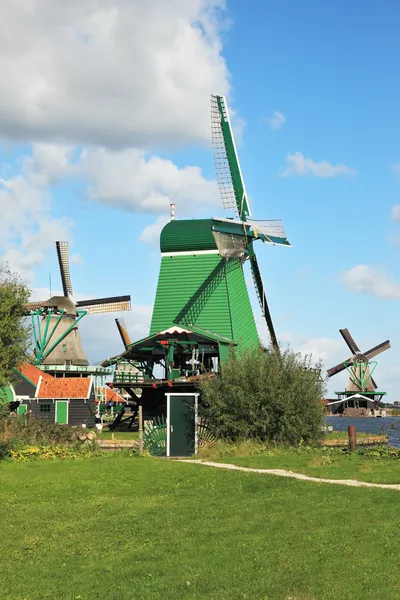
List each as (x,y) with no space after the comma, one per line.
(110,72)
(126,179)
(130,180)
(95,86)
(324,348)
(27,228)
(277,120)
(395,216)
(76,259)
(151,234)
(367,280)
(299,165)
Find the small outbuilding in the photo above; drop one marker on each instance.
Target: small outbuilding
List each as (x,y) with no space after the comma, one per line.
(63,400)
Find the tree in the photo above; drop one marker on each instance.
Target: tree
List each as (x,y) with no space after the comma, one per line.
(260,394)
(14,331)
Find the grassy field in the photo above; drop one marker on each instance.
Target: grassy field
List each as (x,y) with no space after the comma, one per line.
(121,528)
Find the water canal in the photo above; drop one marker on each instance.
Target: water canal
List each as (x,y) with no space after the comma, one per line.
(389,426)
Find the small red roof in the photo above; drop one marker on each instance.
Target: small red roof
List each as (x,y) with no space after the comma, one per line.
(64,387)
(32,373)
(112,395)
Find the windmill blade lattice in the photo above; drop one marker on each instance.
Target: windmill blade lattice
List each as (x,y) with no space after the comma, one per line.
(105,305)
(234,196)
(226,160)
(63,261)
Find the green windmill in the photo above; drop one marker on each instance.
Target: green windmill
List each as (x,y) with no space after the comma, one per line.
(202,304)
(201,281)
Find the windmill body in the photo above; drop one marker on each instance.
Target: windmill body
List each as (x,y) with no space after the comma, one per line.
(202,306)
(201,285)
(361,395)
(57,343)
(69,351)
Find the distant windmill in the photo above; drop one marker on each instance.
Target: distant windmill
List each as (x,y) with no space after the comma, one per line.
(56,335)
(360,367)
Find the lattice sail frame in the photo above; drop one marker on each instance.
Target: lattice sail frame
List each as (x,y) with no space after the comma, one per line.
(231,246)
(272,228)
(105,305)
(232,197)
(63,261)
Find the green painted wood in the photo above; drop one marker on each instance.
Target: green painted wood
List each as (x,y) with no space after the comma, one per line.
(62,412)
(187,235)
(206,291)
(182,425)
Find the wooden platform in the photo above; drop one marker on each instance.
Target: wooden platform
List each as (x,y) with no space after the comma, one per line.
(371,440)
(117,444)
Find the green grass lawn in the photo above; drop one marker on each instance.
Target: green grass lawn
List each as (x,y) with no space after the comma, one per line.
(121,528)
(317,462)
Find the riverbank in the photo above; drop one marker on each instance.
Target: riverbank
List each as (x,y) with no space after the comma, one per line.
(389,426)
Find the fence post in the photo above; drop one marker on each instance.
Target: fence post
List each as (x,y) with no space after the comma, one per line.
(140,429)
(351,431)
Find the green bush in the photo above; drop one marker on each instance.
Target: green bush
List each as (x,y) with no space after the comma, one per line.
(262,395)
(57,452)
(14,332)
(17,433)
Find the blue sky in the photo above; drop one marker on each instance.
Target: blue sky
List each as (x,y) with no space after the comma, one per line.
(81,123)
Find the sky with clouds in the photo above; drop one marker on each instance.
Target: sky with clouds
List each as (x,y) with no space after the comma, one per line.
(104,120)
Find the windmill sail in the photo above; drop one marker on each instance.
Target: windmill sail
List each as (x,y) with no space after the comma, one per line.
(234,196)
(262,298)
(103,305)
(126,340)
(348,338)
(227,166)
(63,261)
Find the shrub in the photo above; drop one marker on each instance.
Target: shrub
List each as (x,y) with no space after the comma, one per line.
(262,395)
(17,434)
(58,451)
(14,331)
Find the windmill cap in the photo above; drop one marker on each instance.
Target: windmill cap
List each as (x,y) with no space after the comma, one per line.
(63,303)
(187,235)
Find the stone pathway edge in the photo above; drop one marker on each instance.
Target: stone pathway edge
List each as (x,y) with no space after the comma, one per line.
(293,475)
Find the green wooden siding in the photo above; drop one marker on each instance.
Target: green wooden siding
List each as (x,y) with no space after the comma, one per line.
(207,291)
(188,235)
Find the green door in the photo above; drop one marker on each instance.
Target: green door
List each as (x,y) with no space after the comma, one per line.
(62,412)
(22,408)
(181,424)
